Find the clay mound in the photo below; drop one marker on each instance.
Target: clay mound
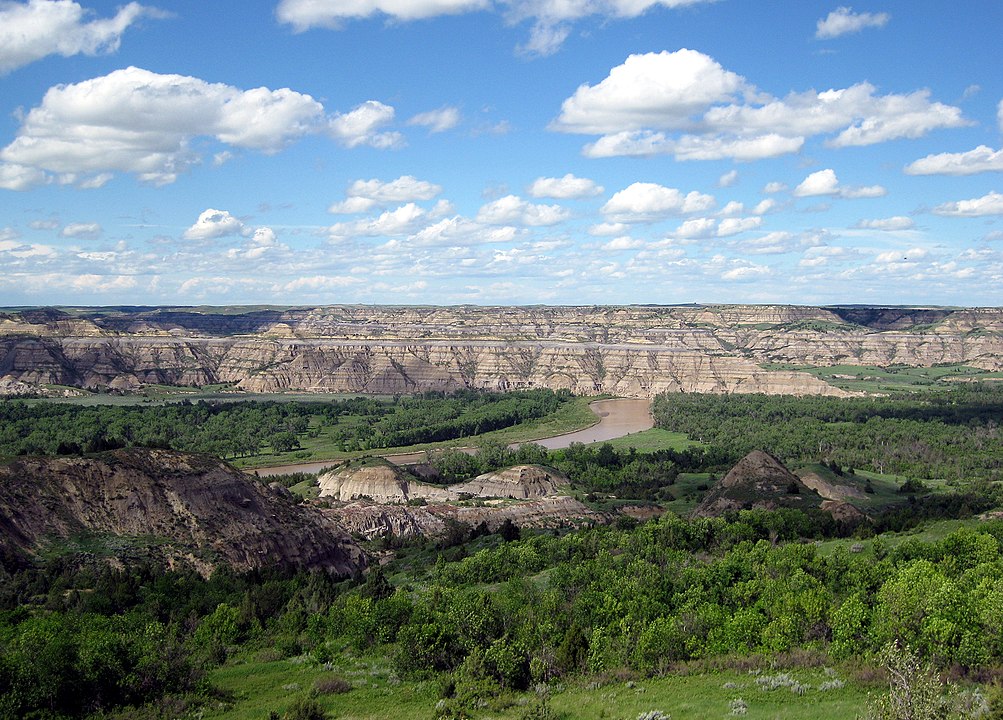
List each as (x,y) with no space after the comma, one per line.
(758,480)
(830,490)
(378,480)
(843,512)
(520,481)
(174,506)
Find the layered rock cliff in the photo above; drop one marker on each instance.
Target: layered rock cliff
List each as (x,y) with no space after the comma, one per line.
(635,351)
(181,507)
(383,482)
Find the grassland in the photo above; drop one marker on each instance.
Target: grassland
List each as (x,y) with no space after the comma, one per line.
(653,440)
(571,416)
(259,687)
(893,378)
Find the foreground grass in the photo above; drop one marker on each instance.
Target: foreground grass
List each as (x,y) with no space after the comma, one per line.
(802,694)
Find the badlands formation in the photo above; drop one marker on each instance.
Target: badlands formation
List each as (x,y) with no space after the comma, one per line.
(376,498)
(631,351)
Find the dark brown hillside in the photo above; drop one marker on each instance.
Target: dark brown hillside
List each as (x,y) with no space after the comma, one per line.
(758,480)
(183,507)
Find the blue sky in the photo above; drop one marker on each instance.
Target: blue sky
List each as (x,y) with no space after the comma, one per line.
(509,152)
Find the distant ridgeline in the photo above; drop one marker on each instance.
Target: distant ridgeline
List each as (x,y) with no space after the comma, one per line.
(631,351)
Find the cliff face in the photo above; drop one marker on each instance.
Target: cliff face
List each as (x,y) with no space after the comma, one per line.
(385,483)
(184,506)
(632,351)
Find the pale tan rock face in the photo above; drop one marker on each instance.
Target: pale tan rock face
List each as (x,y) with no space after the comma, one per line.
(520,482)
(185,506)
(635,351)
(385,483)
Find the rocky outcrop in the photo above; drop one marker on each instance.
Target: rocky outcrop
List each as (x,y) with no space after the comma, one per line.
(179,506)
(383,482)
(635,351)
(378,480)
(836,491)
(371,521)
(758,480)
(520,482)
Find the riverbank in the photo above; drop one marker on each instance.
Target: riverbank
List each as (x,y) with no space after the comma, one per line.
(614,418)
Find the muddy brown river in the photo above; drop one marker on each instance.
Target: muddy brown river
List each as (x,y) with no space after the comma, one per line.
(617,417)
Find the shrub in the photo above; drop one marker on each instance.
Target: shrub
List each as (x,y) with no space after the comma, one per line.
(331,685)
(305,708)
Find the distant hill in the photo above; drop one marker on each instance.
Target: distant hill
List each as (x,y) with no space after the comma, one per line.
(631,351)
(176,507)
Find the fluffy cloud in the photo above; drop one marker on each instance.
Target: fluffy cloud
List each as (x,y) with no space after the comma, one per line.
(363,195)
(990,204)
(901,256)
(892,224)
(568,187)
(686,104)
(399,221)
(513,210)
(362,126)
(550,19)
(860,115)
(728,179)
(734,226)
(696,228)
(331,14)
(81,230)
(214,224)
(981,159)
(646,202)
(825,183)
(137,121)
(141,122)
(20,177)
(666,90)
(843,21)
(624,242)
(38,28)
(445,118)
(746,273)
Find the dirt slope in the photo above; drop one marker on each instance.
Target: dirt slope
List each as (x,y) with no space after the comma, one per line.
(181,507)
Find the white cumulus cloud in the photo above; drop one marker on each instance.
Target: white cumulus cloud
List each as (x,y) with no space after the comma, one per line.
(684,103)
(551,19)
(825,183)
(645,202)
(363,126)
(33,30)
(891,224)
(331,14)
(214,223)
(568,187)
(445,118)
(141,122)
(654,90)
(513,210)
(843,21)
(82,230)
(989,204)
(363,195)
(981,159)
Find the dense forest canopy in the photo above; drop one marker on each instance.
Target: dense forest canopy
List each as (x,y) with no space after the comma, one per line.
(488,614)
